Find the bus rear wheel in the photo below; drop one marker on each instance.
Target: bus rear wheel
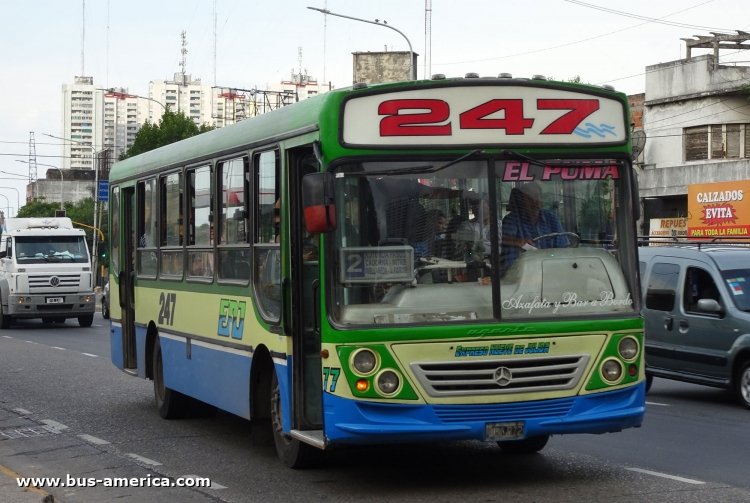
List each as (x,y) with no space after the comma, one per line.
(170,404)
(291,451)
(525,446)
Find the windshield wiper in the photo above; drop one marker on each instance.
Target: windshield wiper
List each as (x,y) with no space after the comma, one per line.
(418,169)
(521,157)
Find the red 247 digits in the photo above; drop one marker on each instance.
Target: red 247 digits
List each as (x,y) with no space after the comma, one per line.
(399,120)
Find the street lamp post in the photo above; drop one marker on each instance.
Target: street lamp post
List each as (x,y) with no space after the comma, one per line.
(61,180)
(412,68)
(96,195)
(18,197)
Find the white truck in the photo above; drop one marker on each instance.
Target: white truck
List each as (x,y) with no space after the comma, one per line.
(45,272)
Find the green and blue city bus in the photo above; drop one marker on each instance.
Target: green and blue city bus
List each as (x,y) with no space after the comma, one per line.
(348,270)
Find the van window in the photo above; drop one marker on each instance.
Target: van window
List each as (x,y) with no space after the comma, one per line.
(662,285)
(738,284)
(698,285)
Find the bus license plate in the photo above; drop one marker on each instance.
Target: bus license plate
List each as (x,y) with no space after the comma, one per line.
(503,431)
(55,300)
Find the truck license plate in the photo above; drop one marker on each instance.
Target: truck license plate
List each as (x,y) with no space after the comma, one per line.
(55,300)
(503,431)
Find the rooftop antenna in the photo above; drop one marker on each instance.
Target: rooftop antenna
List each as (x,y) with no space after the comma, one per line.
(215,15)
(83,34)
(183,60)
(427,38)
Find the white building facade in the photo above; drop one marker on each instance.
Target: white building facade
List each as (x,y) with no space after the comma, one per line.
(697,124)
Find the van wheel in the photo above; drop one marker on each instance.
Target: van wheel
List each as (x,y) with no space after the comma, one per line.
(170,404)
(526,446)
(649,381)
(743,384)
(291,451)
(85,320)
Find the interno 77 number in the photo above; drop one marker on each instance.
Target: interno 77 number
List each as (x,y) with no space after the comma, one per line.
(430,117)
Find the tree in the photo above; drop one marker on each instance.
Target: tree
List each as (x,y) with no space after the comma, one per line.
(173,126)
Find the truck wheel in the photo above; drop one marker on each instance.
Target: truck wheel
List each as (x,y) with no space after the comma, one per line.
(85,320)
(743,384)
(5,319)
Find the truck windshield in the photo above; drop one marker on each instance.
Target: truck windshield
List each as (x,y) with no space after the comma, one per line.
(42,249)
(416,244)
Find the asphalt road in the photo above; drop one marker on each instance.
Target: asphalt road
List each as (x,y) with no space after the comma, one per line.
(66,411)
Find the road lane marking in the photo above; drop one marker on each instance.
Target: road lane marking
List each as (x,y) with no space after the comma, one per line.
(666,476)
(54,424)
(22,412)
(89,354)
(657,403)
(93,440)
(32,342)
(143,460)
(58,347)
(32,489)
(7,337)
(213,485)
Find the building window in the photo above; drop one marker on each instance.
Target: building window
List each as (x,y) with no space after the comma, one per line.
(717,141)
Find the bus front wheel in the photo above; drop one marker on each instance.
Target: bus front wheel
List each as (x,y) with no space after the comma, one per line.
(170,404)
(525,446)
(291,451)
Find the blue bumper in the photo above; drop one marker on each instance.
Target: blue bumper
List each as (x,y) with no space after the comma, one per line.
(356,422)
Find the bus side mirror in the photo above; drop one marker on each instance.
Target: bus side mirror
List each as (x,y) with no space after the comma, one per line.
(318,202)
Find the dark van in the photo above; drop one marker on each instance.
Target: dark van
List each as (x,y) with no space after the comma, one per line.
(696,302)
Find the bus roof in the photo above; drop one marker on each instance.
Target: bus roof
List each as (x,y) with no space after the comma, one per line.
(306,116)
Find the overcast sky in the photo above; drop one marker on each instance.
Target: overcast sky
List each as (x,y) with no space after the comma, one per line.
(129,43)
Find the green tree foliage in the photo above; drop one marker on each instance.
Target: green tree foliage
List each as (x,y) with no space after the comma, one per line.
(173,126)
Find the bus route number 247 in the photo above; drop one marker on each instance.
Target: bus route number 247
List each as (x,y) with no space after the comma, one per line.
(428,117)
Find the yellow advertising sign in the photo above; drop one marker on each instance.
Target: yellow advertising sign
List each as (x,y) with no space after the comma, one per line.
(719,210)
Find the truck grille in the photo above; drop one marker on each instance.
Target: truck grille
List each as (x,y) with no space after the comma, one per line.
(487,377)
(41,282)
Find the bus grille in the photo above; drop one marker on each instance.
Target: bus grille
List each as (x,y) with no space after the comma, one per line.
(42,281)
(491,377)
(500,412)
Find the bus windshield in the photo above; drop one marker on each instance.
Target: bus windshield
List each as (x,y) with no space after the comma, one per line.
(423,241)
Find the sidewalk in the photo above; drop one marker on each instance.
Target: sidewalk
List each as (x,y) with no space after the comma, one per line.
(11,493)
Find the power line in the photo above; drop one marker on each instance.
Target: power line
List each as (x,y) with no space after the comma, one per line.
(650,19)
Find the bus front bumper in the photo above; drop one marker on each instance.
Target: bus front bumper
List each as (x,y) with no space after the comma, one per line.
(357,422)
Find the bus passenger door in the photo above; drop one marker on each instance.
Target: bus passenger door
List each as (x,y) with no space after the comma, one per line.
(305,301)
(127,279)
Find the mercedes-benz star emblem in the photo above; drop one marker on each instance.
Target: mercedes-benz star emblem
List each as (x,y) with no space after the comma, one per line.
(54,281)
(503,376)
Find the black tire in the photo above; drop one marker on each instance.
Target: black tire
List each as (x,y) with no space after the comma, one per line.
(649,381)
(170,404)
(742,384)
(5,320)
(85,321)
(105,311)
(291,451)
(47,320)
(529,445)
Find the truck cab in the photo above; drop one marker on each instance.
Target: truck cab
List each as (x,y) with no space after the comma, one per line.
(45,272)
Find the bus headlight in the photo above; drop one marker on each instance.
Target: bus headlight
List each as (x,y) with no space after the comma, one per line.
(388,382)
(628,348)
(364,361)
(611,370)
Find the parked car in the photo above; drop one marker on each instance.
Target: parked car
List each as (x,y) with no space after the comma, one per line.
(696,302)
(105,301)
